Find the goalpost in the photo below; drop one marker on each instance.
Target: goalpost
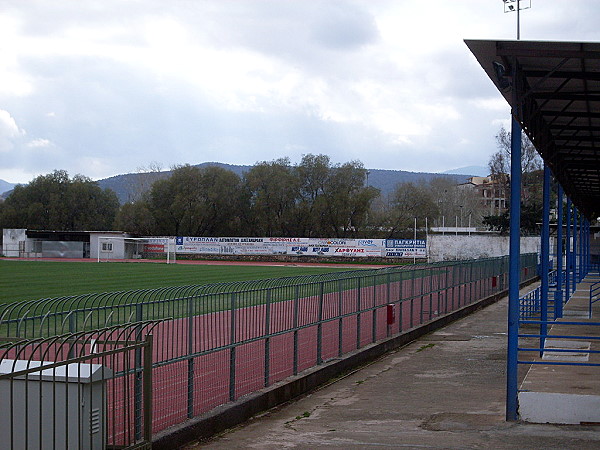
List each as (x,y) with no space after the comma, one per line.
(148,248)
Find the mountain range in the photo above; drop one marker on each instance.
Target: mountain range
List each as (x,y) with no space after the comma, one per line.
(125,185)
(384,180)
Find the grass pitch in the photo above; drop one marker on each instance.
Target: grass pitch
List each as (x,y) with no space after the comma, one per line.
(31,280)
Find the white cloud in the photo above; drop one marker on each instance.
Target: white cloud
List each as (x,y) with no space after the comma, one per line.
(14,81)
(39,143)
(497,104)
(9,131)
(105,87)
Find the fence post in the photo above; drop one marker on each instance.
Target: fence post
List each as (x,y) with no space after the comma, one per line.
(320,325)
(268,339)
(400,302)
(341,319)
(232,350)
(147,389)
(190,368)
(471,267)
(374,315)
(72,325)
(446,288)
(358,306)
(138,377)
(388,293)
(296,299)
(430,293)
(454,281)
(412,297)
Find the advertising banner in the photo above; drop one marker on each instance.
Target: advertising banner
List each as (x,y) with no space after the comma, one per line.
(357,251)
(393,248)
(206,245)
(406,243)
(405,248)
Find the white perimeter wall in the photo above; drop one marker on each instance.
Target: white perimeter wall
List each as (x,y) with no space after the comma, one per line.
(449,247)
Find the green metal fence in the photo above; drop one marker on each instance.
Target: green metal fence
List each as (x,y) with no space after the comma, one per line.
(218,342)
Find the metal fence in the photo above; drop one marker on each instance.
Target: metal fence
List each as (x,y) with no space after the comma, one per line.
(560,341)
(78,390)
(530,304)
(218,342)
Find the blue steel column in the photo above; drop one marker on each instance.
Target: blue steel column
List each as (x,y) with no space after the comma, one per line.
(582,271)
(585,255)
(586,249)
(568,253)
(558,296)
(589,245)
(575,252)
(581,248)
(514,257)
(545,247)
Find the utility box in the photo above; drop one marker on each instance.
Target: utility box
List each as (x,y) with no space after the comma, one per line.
(57,408)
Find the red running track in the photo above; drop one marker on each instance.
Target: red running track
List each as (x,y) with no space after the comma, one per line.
(343,329)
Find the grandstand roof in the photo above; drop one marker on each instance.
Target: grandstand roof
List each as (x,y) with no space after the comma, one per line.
(558,94)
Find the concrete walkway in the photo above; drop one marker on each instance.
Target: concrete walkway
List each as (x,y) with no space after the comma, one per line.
(445,390)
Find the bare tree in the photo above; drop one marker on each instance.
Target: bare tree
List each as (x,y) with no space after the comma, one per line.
(145,177)
(500,161)
(531,167)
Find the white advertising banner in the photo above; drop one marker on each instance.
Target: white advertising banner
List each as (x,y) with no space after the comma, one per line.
(393,248)
(405,248)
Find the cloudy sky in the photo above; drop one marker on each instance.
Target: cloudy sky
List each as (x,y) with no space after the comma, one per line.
(105,87)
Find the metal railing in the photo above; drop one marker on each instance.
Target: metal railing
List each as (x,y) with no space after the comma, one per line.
(554,347)
(530,305)
(556,342)
(78,390)
(218,342)
(594,296)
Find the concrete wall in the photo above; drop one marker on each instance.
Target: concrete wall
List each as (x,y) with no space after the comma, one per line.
(450,247)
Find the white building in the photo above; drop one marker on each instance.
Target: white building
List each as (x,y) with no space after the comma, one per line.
(23,243)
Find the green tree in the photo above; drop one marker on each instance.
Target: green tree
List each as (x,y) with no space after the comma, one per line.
(136,218)
(313,173)
(56,202)
(346,201)
(196,202)
(274,191)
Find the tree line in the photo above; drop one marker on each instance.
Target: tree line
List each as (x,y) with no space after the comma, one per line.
(273,198)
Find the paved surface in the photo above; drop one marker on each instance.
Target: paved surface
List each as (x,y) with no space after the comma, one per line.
(445,390)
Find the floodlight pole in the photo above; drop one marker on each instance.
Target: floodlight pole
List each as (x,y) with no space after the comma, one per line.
(518,20)
(518,11)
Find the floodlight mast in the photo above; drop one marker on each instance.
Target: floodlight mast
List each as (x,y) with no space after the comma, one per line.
(517,5)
